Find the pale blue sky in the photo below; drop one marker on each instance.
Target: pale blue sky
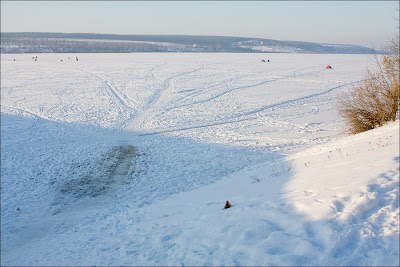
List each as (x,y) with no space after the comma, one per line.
(364,23)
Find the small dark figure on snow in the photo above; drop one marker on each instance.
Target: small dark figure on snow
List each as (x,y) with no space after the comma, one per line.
(268,60)
(227,205)
(76,58)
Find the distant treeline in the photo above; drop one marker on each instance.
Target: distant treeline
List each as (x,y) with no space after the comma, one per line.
(34,42)
(52,45)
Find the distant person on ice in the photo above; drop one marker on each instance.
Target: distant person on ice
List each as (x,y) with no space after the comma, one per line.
(76,58)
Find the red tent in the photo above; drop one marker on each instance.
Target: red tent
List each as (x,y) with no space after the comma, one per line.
(328,67)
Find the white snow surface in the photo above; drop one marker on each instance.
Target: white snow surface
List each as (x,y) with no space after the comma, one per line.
(128,159)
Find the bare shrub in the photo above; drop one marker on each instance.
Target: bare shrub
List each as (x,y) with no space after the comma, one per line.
(376,101)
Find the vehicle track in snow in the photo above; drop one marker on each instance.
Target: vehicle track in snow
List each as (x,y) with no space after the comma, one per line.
(155,100)
(196,92)
(125,158)
(122,100)
(290,101)
(22,110)
(119,95)
(151,72)
(216,96)
(245,116)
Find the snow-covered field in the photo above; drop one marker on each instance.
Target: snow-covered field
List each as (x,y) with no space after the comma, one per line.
(128,159)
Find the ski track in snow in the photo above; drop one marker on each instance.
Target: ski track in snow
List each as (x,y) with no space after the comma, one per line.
(128,160)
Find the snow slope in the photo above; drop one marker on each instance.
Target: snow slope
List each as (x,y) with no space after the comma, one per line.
(128,159)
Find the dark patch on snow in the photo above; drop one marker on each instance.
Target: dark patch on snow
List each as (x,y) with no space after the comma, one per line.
(97,177)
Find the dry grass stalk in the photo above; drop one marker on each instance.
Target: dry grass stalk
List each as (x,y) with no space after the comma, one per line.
(376,101)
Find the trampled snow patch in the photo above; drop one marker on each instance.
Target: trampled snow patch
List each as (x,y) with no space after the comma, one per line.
(115,166)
